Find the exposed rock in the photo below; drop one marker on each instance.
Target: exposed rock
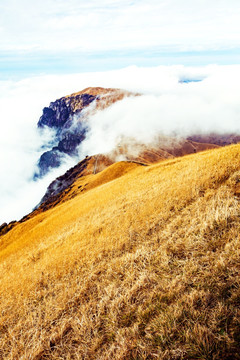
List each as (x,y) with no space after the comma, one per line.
(70,141)
(49,160)
(59,111)
(59,116)
(4,228)
(67,118)
(64,181)
(61,186)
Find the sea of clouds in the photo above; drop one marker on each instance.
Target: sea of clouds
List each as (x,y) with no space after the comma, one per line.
(170,105)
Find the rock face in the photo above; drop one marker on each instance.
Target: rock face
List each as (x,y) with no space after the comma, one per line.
(58,114)
(69,134)
(62,183)
(67,117)
(49,159)
(4,228)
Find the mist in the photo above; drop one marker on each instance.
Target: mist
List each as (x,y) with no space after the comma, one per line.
(170,105)
(185,102)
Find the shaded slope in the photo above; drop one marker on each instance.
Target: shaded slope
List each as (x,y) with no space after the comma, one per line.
(141,266)
(61,189)
(215,138)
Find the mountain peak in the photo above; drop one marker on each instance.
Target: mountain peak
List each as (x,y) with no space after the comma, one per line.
(61,115)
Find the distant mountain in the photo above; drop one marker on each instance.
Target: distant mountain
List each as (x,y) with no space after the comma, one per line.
(69,115)
(221,139)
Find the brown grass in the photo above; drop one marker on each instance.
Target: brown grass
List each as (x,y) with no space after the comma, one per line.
(144,264)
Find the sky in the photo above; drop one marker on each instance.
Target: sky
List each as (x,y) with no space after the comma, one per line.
(58,36)
(51,48)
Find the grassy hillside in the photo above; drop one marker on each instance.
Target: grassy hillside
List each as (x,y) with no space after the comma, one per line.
(142,264)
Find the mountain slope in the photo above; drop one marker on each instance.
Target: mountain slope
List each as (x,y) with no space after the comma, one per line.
(143,264)
(69,117)
(62,188)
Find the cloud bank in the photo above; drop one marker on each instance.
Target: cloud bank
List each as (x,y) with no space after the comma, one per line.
(169,106)
(179,103)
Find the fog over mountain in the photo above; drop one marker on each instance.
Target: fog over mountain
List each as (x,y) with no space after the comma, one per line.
(176,101)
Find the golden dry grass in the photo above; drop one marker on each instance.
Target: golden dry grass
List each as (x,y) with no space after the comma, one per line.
(144,264)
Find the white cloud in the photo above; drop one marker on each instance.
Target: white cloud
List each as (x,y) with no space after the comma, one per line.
(93,26)
(170,108)
(20,149)
(166,107)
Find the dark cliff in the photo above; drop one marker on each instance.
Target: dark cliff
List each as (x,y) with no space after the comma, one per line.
(67,117)
(58,114)
(69,134)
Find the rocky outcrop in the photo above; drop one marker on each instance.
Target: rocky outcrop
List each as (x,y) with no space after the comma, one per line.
(60,189)
(60,117)
(49,159)
(58,114)
(4,228)
(62,184)
(67,116)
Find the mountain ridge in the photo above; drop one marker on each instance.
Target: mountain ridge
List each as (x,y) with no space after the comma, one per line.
(68,137)
(142,266)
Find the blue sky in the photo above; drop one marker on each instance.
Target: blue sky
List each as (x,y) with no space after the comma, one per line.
(56,36)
